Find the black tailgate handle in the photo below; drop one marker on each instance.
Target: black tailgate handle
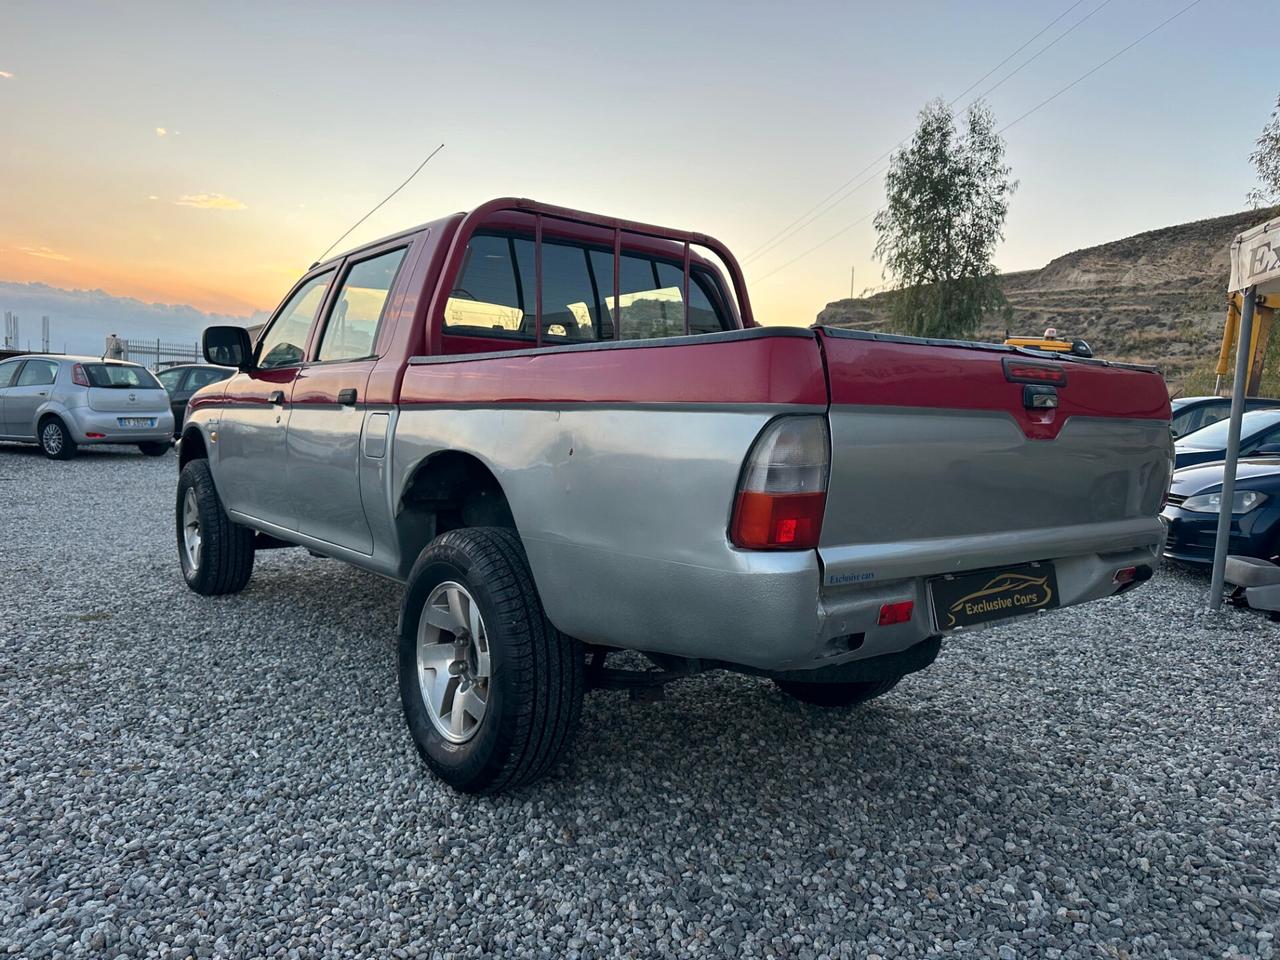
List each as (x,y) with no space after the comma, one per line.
(347,397)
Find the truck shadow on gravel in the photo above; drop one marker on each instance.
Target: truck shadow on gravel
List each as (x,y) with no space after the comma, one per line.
(726,739)
(740,745)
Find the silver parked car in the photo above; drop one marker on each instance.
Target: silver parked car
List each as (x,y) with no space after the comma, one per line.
(62,402)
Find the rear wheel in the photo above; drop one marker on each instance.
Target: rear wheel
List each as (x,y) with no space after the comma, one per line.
(491,690)
(154,448)
(837,694)
(55,439)
(216,554)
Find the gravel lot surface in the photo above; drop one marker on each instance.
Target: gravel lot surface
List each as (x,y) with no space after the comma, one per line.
(232,778)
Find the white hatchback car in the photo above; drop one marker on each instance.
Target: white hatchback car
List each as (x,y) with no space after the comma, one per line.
(63,402)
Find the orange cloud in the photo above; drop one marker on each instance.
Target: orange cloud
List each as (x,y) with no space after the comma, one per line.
(210,201)
(44,253)
(161,131)
(5,75)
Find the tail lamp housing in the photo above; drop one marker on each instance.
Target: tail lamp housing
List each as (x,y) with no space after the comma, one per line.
(783,490)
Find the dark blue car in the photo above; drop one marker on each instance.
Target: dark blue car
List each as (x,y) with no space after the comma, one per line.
(1258,428)
(1192,511)
(1195,413)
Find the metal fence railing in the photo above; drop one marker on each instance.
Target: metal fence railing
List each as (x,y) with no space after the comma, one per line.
(155,354)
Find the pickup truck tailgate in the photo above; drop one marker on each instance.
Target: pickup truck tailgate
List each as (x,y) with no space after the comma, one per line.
(937,465)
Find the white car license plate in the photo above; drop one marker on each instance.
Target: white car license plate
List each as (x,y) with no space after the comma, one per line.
(137,421)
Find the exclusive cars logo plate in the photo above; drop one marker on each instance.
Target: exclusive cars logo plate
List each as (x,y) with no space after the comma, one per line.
(993,594)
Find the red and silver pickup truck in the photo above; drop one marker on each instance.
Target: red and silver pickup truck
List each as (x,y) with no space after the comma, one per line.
(566,434)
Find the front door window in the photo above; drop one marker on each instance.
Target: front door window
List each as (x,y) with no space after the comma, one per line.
(285,342)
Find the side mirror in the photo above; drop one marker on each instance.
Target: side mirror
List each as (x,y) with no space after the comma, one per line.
(228,347)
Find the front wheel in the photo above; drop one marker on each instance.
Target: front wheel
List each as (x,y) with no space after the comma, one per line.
(491,690)
(216,554)
(836,694)
(55,439)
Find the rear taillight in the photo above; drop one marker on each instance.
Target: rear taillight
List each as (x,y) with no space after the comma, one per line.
(78,376)
(784,487)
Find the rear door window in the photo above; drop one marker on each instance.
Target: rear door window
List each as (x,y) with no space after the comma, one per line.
(37,373)
(285,342)
(170,379)
(202,377)
(352,330)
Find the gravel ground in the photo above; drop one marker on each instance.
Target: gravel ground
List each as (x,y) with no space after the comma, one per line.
(232,778)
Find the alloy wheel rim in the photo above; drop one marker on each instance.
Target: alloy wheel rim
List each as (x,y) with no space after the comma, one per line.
(454,671)
(191,539)
(51,436)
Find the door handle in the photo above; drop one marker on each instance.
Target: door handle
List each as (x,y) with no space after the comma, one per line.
(276,397)
(347,397)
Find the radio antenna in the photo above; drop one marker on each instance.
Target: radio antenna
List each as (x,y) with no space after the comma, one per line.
(380,204)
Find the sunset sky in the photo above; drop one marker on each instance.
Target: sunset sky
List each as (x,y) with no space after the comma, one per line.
(206,153)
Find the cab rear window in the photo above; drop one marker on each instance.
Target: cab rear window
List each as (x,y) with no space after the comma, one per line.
(120,376)
(495,293)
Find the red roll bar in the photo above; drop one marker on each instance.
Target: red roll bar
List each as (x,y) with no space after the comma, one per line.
(540,211)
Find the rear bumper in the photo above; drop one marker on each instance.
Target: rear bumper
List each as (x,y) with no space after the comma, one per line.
(854,609)
(771,612)
(83,421)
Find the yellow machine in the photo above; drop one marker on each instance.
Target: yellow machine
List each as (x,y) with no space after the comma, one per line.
(1264,316)
(1052,343)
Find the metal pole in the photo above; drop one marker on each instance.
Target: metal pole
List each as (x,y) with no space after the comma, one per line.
(1233,450)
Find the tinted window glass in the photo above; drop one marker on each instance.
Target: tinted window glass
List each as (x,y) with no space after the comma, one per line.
(169,379)
(495,292)
(284,343)
(352,330)
(37,373)
(648,307)
(204,376)
(570,309)
(487,297)
(602,273)
(8,371)
(703,317)
(1215,436)
(120,376)
(1213,414)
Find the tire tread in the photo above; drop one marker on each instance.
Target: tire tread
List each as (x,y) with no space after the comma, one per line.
(545,667)
(226,561)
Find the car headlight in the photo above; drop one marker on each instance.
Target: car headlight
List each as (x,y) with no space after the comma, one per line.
(1242,502)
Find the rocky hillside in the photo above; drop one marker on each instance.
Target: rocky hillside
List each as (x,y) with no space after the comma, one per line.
(1157,297)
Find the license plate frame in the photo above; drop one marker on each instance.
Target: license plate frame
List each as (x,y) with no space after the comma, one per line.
(136,423)
(995,593)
